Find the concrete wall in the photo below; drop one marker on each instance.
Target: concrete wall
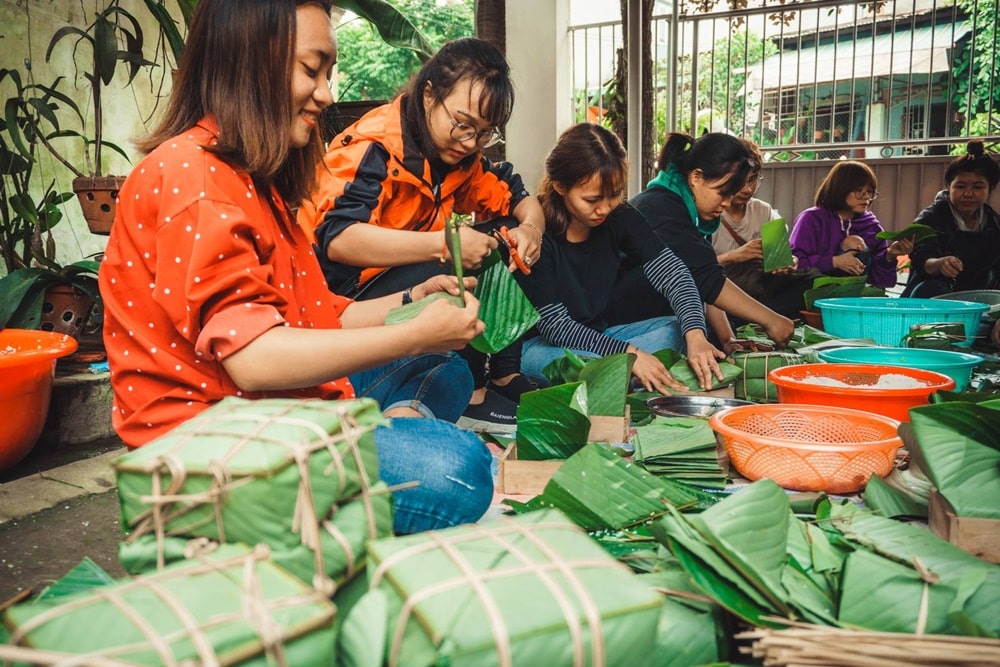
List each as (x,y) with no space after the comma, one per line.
(26,26)
(538,53)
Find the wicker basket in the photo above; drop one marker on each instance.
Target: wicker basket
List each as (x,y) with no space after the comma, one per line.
(808,447)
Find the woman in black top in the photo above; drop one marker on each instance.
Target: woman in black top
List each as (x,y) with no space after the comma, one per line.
(965,252)
(589,231)
(697,179)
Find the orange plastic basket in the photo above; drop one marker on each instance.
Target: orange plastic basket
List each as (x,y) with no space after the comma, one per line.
(808,447)
(27,366)
(796,384)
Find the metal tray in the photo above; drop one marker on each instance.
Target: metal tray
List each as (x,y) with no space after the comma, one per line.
(691,406)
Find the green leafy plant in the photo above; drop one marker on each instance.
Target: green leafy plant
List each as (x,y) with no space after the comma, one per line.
(26,220)
(113,27)
(23,291)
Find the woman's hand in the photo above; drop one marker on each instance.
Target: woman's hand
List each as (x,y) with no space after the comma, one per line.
(652,374)
(443,326)
(853,242)
(779,329)
(527,238)
(702,357)
(849,263)
(476,247)
(441,283)
(948,266)
(901,247)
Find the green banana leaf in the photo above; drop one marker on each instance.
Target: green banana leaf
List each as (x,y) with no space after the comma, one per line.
(564,369)
(690,632)
(607,384)
(683,373)
(916,231)
(883,586)
(711,574)
(552,423)
(826,287)
(84,577)
(599,490)
(960,452)
(503,307)
(774,241)
(638,410)
(891,501)
(411,310)
(682,448)
(753,541)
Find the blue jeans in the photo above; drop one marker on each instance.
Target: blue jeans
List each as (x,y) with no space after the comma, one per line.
(435,385)
(452,466)
(652,335)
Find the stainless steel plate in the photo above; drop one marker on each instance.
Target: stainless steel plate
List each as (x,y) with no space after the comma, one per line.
(691,406)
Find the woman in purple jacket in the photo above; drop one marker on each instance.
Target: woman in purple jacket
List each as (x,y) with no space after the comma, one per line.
(837,235)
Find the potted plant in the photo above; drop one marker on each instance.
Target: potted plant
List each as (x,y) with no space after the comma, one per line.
(31,292)
(115,36)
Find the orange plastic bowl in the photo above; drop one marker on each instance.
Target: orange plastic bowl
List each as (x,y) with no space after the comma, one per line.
(27,366)
(797,384)
(808,447)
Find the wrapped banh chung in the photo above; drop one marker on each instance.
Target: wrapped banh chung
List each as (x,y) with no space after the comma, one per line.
(529,590)
(240,609)
(300,476)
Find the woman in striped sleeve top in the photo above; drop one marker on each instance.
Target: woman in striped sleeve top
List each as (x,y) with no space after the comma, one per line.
(590,233)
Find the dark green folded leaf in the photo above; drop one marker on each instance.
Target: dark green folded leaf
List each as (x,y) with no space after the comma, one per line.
(564,369)
(503,307)
(552,423)
(607,384)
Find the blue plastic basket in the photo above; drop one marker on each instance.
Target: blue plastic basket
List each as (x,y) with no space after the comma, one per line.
(887,319)
(956,365)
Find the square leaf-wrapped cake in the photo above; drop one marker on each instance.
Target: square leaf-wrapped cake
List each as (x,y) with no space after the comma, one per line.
(532,590)
(236,608)
(270,471)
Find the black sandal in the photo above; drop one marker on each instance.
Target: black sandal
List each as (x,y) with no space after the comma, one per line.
(513,389)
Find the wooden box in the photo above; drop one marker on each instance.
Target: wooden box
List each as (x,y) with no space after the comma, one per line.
(516,477)
(980,537)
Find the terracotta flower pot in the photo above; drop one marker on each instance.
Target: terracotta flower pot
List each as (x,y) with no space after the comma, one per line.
(65,309)
(97,195)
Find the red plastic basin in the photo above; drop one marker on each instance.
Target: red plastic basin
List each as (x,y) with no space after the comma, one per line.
(27,367)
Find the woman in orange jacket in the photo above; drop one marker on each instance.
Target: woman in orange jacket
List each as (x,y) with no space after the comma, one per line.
(391,181)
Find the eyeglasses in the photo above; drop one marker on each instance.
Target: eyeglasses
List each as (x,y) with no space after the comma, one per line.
(463,132)
(755,180)
(862,193)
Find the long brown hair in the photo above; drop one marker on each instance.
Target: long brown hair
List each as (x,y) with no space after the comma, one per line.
(583,151)
(237,66)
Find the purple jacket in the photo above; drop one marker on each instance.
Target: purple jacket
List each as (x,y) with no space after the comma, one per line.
(816,237)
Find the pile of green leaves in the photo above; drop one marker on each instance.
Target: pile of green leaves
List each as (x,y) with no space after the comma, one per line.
(850,568)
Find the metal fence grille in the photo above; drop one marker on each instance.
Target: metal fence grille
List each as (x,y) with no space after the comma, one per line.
(813,80)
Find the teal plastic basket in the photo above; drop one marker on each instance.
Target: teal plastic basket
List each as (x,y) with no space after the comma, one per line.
(956,365)
(887,319)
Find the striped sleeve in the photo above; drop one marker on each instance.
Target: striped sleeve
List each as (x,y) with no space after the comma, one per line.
(561,330)
(669,276)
